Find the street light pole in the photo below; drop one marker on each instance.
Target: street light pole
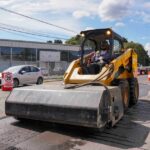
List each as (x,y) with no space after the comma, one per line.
(11,56)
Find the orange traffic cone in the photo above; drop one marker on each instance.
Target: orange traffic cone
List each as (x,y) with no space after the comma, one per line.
(149,75)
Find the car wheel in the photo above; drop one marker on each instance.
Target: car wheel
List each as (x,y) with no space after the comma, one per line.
(39,80)
(16,83)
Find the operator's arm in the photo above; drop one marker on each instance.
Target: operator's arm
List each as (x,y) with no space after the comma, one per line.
(95,58)
(105,58)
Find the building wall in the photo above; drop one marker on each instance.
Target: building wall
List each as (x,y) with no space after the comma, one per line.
(4,64)
(19,53)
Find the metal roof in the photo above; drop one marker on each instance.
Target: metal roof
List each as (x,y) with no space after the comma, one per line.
(37,45)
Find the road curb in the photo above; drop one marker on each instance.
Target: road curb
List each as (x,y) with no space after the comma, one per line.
(52,80)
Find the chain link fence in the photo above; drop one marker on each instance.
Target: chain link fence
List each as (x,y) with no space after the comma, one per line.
(48,68)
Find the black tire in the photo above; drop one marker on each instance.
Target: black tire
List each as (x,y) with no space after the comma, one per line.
(22,120)
(134,91)
(39,80)
(15,82)
(19,119)
(125,92)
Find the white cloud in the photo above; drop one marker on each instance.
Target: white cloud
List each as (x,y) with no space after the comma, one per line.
(89,28)
(69,13)
(141,15)
(146,17)
(147,47)
(57,6)
(6,2)
(79,14)
(119,24)
(110,10)
(57,14)
(62,13)
(147,5)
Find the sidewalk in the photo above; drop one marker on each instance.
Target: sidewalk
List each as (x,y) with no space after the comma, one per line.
(53,78)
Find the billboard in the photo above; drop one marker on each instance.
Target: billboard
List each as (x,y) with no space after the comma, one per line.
(49,56)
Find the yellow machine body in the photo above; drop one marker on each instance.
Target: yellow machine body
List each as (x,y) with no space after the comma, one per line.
(127,60)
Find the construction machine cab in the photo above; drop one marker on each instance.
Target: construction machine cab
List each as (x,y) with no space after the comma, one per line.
(100,39)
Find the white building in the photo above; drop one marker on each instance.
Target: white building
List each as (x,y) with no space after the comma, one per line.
(53,57)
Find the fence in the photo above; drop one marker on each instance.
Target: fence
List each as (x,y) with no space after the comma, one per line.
(52,68)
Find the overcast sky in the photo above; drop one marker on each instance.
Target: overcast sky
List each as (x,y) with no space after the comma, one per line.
(130,18)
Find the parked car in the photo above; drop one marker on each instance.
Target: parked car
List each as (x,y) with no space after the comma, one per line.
(25,74)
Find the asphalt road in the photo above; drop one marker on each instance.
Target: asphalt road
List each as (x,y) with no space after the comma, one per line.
(132,132)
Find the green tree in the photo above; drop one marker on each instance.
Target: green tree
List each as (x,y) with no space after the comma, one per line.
(58,42)
(76,40)
(50,41)
(143,57)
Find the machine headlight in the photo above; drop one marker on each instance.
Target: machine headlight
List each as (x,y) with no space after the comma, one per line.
(108,32)
(83,35)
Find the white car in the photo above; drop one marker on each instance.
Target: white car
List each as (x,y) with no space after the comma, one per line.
(25,74)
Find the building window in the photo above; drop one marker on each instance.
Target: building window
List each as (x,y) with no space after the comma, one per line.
(24,54)
(73,55)
(30,54)
(5,52)
(64,56)
(18,54)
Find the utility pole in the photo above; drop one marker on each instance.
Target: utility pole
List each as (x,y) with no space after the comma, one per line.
(11,56)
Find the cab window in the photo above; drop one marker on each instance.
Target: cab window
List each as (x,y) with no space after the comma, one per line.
(117,47)
(89,46)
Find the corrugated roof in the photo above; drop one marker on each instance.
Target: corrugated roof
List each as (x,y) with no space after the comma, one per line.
(38,45)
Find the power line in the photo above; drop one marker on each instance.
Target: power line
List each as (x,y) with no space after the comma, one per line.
(24,32)
(20,34)
(48,23)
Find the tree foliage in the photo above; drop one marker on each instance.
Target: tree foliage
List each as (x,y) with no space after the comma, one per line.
(143,57)
(58,42)
(76,40)
(50,41)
